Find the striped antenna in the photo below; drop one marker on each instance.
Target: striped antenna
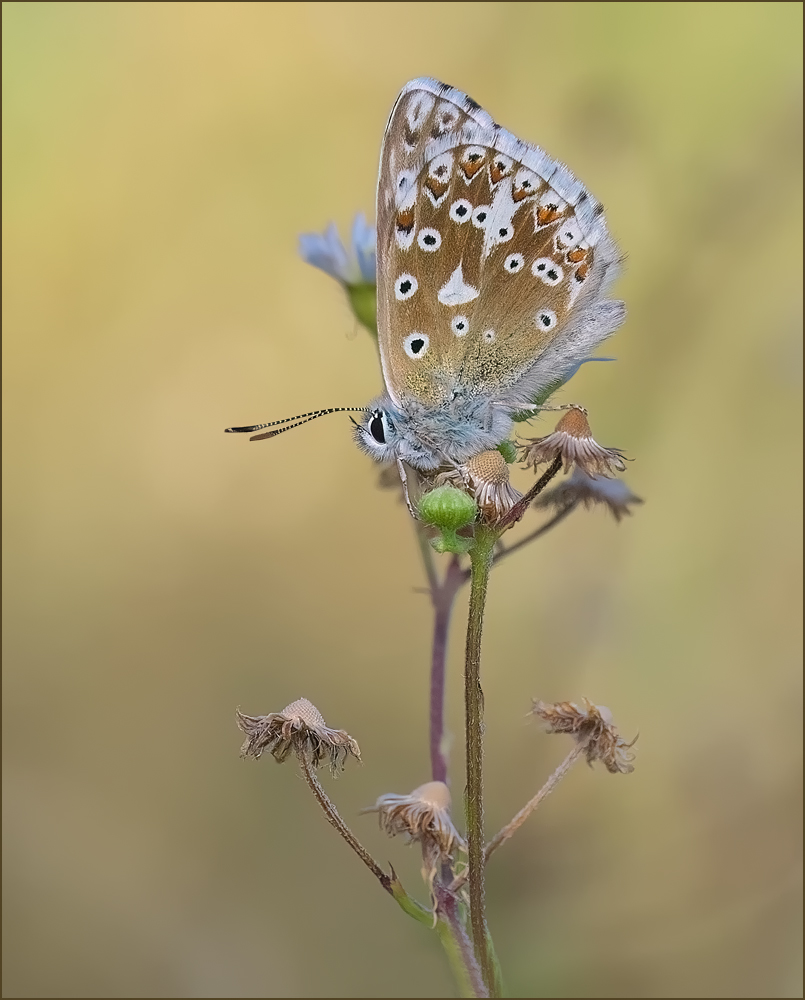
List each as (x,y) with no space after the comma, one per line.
(289,423)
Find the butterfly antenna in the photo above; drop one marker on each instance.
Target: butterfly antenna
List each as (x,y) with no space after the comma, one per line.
(289,423)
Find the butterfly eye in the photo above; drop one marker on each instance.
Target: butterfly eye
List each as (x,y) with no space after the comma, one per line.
(378,425)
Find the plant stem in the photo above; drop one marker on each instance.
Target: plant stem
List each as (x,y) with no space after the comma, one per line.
(442,597)
(537,533)
(457,944)
(517,821)
(335,820)
(481,557)
(524,502)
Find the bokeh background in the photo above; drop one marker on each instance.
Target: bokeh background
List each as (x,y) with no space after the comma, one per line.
(160,161)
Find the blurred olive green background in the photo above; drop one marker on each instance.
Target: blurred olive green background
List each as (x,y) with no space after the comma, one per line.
(160,161)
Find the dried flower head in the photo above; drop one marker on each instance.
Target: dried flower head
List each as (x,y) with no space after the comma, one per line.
(423,815)
(486,476)
(299,725)
(573,441)
(590,490)
(591,726)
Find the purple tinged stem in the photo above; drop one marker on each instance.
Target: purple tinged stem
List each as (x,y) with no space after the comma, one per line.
(442,595)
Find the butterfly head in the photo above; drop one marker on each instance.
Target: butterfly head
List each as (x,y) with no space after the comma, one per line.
(427,435)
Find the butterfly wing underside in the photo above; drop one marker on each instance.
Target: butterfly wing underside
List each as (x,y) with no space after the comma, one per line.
(489,252)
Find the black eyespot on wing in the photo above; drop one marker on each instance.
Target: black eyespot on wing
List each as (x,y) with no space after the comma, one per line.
(417,345)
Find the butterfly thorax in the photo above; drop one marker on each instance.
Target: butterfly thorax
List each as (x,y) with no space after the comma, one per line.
(447,433)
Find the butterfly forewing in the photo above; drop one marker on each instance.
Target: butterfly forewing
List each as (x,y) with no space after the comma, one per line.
(485,248)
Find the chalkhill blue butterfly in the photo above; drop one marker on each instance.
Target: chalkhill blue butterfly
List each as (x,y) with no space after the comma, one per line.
(493,266)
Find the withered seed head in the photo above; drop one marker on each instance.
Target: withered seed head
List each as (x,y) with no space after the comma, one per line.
(573,441)
(613,493)
(486,476)
(299,725)
(423,815)
(593,726)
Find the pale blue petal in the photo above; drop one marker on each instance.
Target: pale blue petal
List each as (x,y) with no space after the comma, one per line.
(326,252)
(364,243)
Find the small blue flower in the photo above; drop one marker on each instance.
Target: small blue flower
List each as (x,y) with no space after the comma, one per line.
(327,252)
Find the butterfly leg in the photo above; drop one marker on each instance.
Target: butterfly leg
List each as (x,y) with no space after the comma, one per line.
(563,406)
(404,481)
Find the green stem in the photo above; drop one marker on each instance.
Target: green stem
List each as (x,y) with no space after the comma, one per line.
(481,557)
(457,944)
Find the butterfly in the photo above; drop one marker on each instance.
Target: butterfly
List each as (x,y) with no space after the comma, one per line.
(493,264)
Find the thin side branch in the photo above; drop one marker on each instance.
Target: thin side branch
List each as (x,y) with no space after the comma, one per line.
(524,502)
(517,821)
(335,820)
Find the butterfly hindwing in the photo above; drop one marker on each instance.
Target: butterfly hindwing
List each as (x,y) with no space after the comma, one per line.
(486,246)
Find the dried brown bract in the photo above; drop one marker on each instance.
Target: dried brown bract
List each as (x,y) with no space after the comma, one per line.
(423,815)
(613,493)
(573,441)
(299,725)
(486,477)
(591,726)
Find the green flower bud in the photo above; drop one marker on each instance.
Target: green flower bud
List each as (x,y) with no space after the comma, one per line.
(508,450)
(448,509)
(363,300)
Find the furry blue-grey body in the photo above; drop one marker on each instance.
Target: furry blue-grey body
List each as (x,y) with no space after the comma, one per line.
(427,437)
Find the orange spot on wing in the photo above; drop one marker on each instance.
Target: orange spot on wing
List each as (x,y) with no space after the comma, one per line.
(576,256)
(547,214)
(497,172)
(436,187)
(471,167)
(405,220)
(581,271)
